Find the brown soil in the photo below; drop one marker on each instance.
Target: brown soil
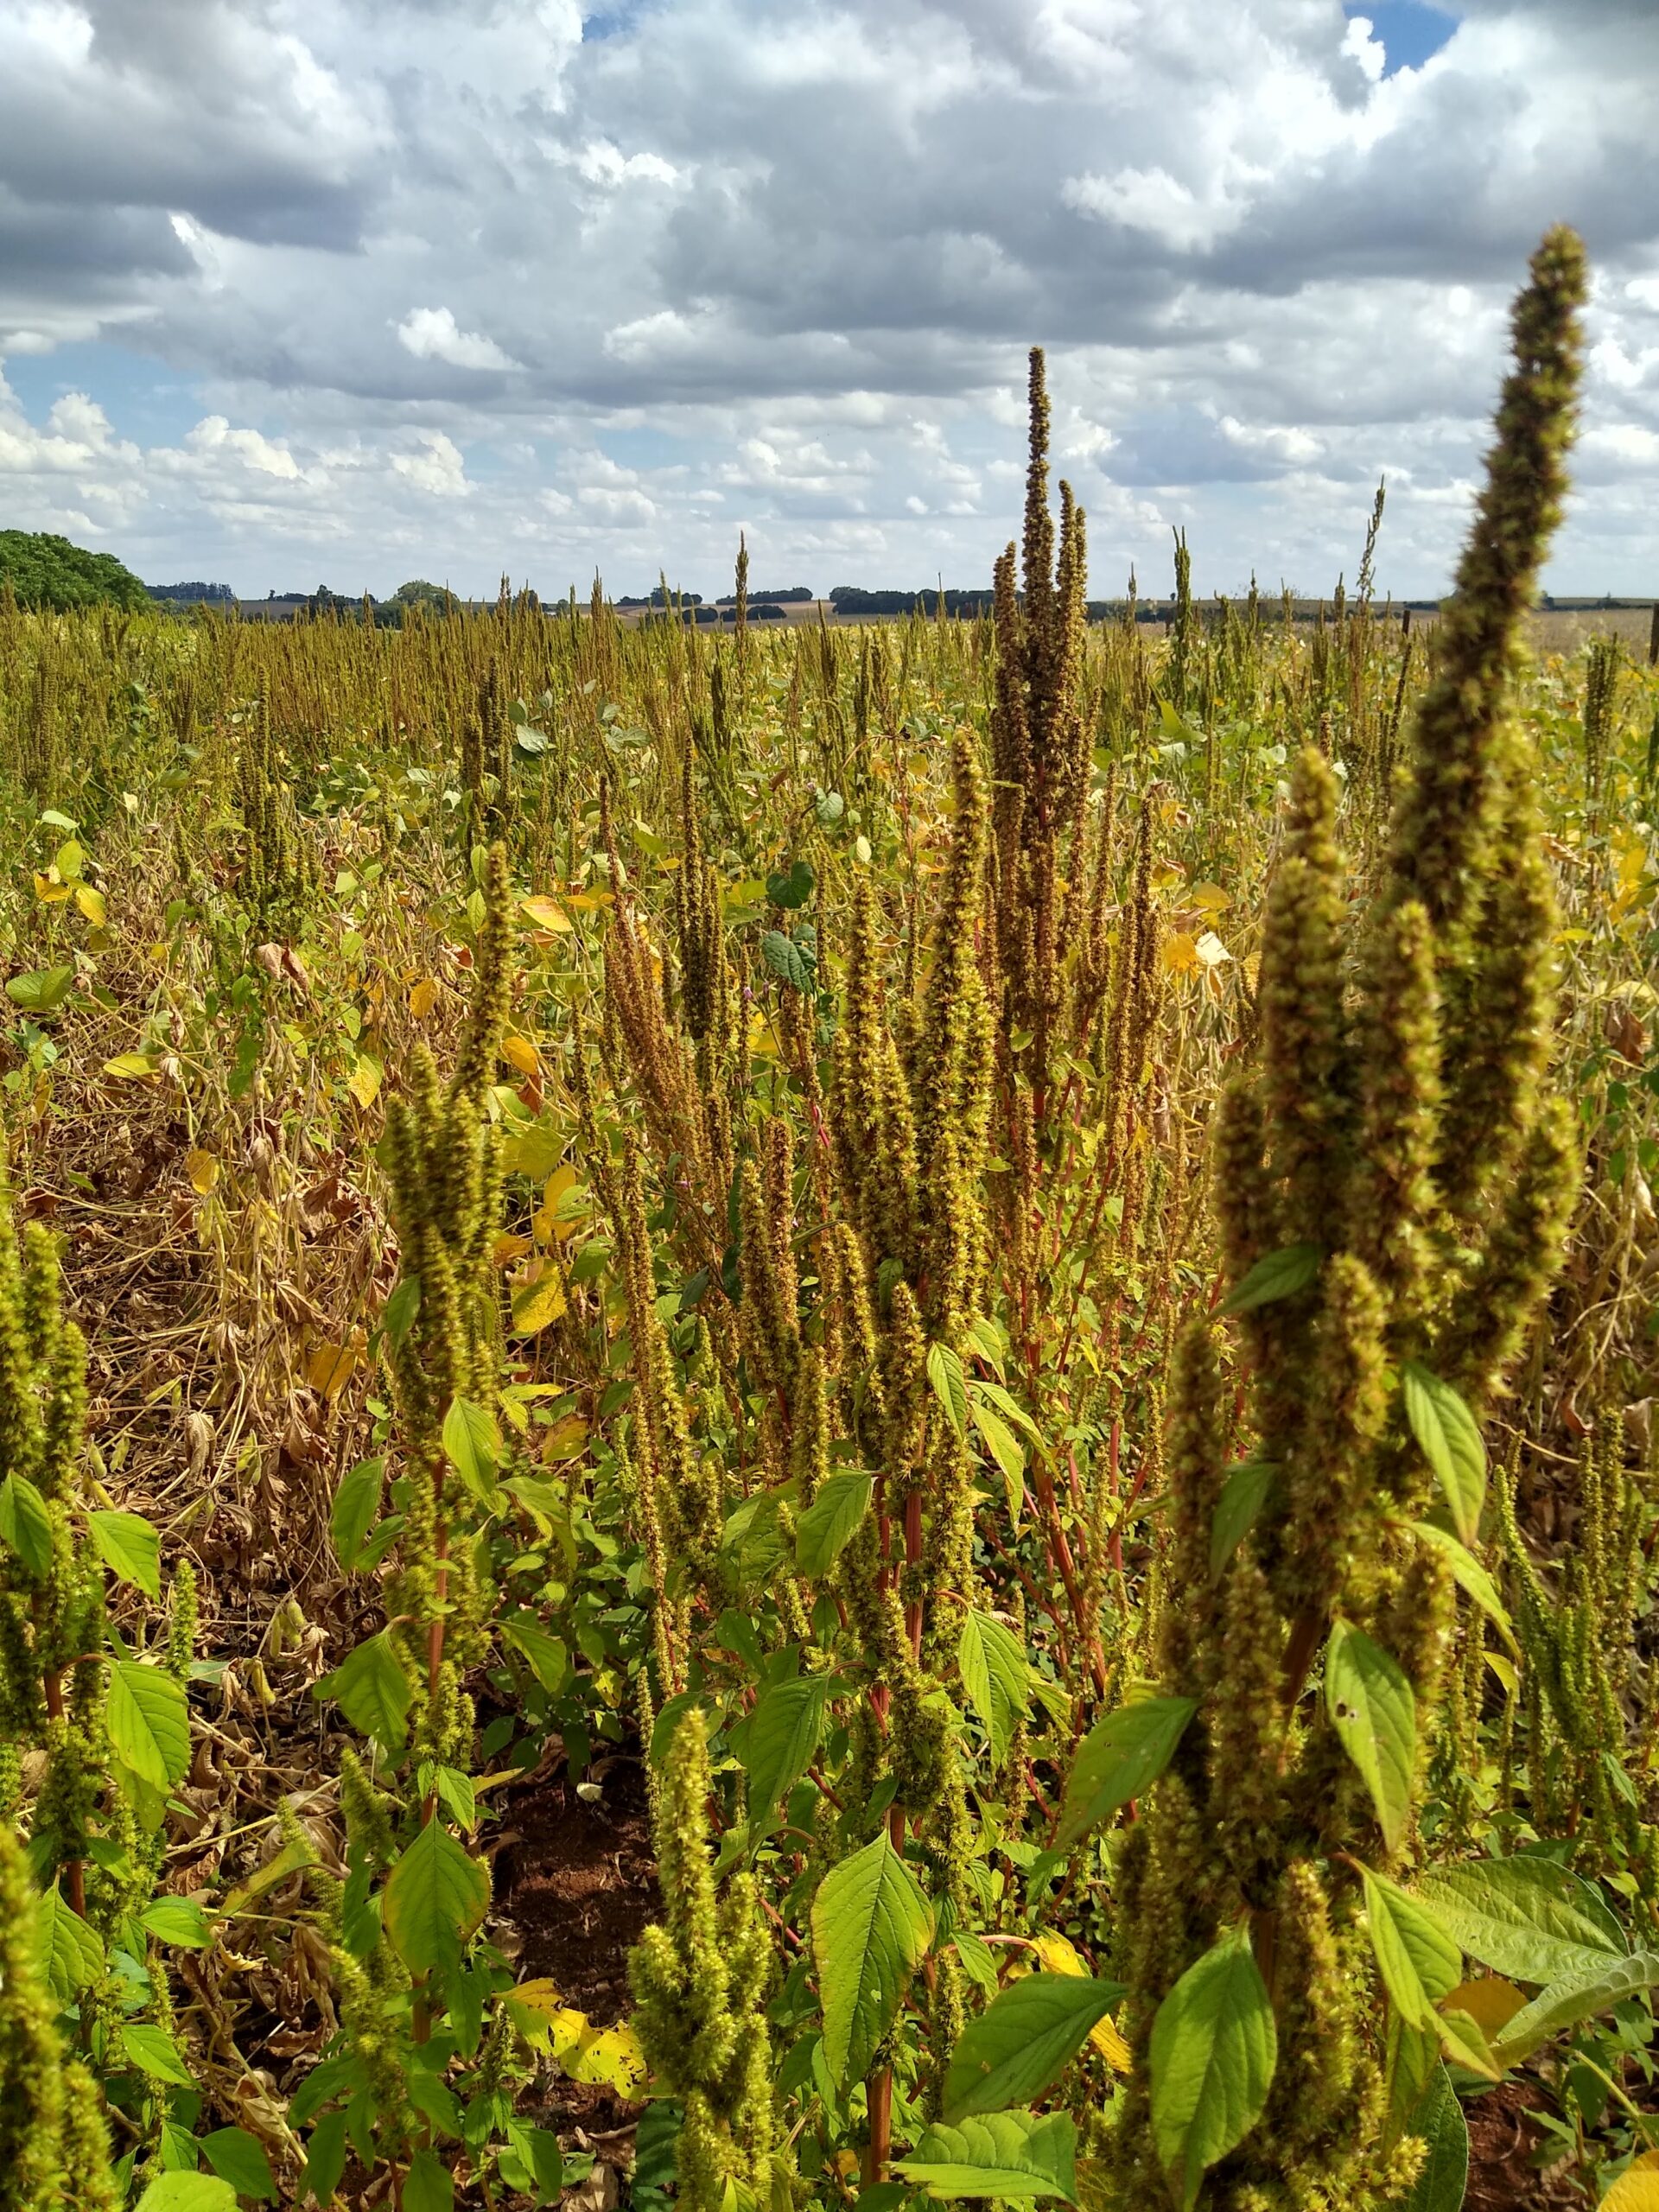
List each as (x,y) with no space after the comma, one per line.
(1504,2141)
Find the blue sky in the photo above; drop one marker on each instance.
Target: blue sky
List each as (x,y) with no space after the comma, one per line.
(353,290)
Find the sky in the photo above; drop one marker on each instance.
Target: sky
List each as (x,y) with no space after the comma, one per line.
(352,291)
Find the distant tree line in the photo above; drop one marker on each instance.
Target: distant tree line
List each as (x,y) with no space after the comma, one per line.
(47,571)
(196,594)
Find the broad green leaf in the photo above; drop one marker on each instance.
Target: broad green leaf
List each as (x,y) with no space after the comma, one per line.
(1469,1576)
(128,1545)
(42,990)
(841,1503)
(1419,1963)
(870,1927)
(325,2159)
(1120,1758)
(949,1385)
(995,1677)
(149,1723)
(182,2192)
(794,890)
(1450,1438)
(1006,1450)
(780,1740)
(355,1509)
(372,1691)
(25,1523)
(1214,2047)
(1444,2175)
(70,1951)
(238,2157)
(1463,2039)
(177,1920)
(1021,2042)
(427,2186)
(550,1660)
(1242,1495)
(435,1895)
(787,959)
(1574,1998)
(471,1443)
(1524,1917)
(153,2051)
(1013,2155)
(1374,1711)
(1278,1275)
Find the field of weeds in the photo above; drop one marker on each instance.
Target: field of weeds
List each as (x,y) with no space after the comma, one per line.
(823,1419)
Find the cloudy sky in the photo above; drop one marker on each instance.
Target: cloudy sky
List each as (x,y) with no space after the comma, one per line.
(295,292)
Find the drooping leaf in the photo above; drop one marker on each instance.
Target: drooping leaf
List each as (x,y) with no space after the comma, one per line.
(1523,1917)
(1374,1711)
(182,2192)
(471,1443)
(870,1927)
(550,1660)
(949,1385)
(995,1675)
(1214,2048)
(1574,1998)
(372,1691)
(435,1895)
(1276,1276)
(25,1523)
(128,1546)
(1444,2175)
(1242,1495)
(153,2051)
(781,1740)
(1469,1576)
(1419,1963)
(1013,2155)
(1011,2052)
(355,1509)
(428,2185)
(240,2159)
(72,1951)
(1464,2040)
(177,1920)
(786,957)
(1451,1441)
(1120,1758)
(149,1723)
(841,1503)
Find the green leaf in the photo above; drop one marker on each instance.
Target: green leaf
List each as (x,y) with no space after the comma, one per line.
(1214,2048)
(355,1509)
(1444,2175)
(787,960)
(372,1691)
(398,1317)
(870,1927)
(235,2157)
(949,1385)
(1419,1963)
(780,1740)
(149,1723)
(995,1678)
(181,2192)
(1464,2040)
(1276,1276)
(1023,2041)
(1242,1495)
(1452,1443)
(26,1524)
(42,990)
(153,2051)
(325,2159)
(1008,2154)
(792,891)
(435,1895)
(1120,1758)
(1574,1998)
(841,1503)
(1374,1711)
(70,1951)
(1526,1918)
(177,1920)
(471,1443)
(427,2186)
(550,1660)
(128,1546)
(1469,1576)
(1006,1449)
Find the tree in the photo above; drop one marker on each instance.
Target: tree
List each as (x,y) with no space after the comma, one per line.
(47,571)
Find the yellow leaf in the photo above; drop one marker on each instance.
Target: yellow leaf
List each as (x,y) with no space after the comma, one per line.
(1504,1671)
(536,1304)
(132,1067)
(519,1052)
(91,904)
(365,1080)
(49,890)
(1210,897)
(1491,2003)
(613,2056)
(1179,954)
(202,1168)
(556,1219)
(589,902)
(1636,2189)
(506,1248)
(423,998)
(546,914)
(566,1438)
(1058,1956)
(330,1368)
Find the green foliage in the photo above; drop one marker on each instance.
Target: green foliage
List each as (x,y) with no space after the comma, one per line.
(46,571)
